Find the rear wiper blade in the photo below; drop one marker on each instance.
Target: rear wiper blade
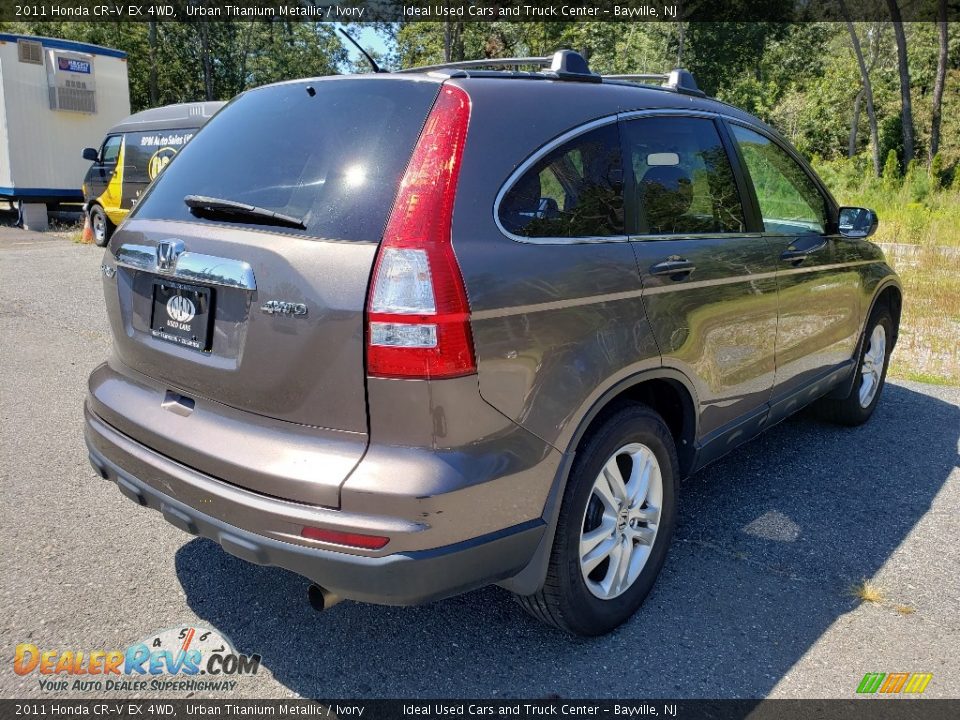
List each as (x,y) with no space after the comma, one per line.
(219,206)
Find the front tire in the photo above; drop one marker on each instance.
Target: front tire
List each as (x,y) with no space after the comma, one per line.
(857,407)
(101,226)
(615,525)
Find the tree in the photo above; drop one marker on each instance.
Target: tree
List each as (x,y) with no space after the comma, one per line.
(940,81)
(867,89)
(855,123)
(904,69)
(723,53)
(152,41)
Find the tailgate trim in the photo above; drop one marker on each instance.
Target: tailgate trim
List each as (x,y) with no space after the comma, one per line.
(189,266)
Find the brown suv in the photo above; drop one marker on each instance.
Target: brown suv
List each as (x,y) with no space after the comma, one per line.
(409,334)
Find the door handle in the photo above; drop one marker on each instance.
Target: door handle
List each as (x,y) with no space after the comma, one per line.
(676,267)
(799,254)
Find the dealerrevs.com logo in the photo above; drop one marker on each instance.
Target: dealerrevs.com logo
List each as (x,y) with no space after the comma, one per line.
(190,659)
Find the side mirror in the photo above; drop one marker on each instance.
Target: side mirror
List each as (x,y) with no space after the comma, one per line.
(91,154)
(857,222)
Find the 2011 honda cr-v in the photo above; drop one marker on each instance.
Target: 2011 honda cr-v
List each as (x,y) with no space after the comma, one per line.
(409,334)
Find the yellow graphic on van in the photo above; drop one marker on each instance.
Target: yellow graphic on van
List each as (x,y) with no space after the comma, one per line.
(159,160)
(112,196)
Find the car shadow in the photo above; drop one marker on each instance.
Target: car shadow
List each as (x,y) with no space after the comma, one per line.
(769,541)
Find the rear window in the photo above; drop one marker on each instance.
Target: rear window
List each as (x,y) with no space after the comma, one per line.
(328,152)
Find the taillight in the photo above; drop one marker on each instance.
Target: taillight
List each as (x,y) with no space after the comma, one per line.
(418,317)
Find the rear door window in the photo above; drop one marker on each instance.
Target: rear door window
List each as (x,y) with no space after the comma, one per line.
(576,190)
(329,152)
(683,182)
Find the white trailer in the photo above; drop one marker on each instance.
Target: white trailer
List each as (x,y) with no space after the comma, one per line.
(56,98)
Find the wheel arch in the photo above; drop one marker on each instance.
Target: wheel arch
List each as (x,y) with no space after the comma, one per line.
(97,204)
(667,391)
(114,216)
(890,294)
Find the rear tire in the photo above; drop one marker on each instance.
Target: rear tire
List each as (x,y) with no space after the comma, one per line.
(101,225)
(871,374)
(610,544)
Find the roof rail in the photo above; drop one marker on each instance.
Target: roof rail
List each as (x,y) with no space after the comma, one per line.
(678,80)
(682,81)
(481,63)
(640,77)
(569,65)
(562,65)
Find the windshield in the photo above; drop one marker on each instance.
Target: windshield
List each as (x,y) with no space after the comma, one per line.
(328,152)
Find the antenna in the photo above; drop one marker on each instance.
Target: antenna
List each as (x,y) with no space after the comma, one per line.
(373,63)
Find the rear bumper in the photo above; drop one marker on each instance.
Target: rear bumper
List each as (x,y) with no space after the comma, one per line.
(402,578)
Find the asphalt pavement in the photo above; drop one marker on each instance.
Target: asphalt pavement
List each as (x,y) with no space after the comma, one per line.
(754,600)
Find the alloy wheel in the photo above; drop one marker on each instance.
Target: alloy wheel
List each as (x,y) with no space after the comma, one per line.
(621,520)
(871,370)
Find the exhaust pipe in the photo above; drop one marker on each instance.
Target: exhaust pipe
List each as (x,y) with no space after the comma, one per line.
(322,599)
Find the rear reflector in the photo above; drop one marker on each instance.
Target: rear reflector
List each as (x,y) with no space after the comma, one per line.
(418,317)
(368,542)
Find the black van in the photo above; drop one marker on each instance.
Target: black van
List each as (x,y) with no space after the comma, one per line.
(132,155)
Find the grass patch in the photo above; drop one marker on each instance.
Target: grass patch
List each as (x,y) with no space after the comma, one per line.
(928,349)
(904,610)
(867,592)
(927,378)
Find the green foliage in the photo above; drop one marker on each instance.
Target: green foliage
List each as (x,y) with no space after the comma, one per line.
(891,170)
(937,172)
(890,134)
(721,54)
(917,181)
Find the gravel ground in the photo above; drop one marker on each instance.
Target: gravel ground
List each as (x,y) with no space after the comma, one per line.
(754,600)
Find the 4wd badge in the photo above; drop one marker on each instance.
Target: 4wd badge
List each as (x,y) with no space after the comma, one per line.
(280,307)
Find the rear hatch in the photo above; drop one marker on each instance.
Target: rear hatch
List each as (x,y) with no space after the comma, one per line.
(242,274)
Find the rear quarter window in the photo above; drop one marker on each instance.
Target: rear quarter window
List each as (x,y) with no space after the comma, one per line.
(575,190)
(331,152)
